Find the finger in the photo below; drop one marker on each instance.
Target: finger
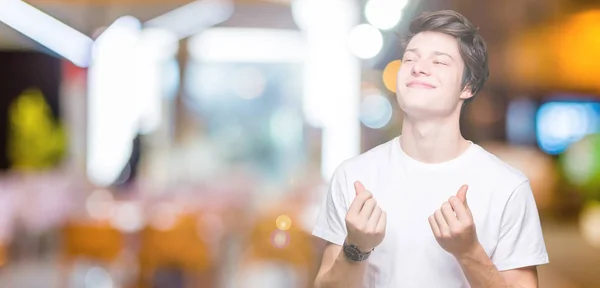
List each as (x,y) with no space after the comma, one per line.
(461,210)
(434,226)
(382,222)
(374,219)
(462,193)
(449,215)
(358,202)
(367,210)
(359,188)
(441,222)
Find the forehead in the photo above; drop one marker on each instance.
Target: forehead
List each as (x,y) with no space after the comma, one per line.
(429,42)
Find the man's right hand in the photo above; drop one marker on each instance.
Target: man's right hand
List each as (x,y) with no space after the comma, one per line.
(365,221)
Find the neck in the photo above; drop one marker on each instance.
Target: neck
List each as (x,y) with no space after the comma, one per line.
(432,140)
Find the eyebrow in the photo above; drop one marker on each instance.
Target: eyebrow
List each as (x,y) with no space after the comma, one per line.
(437,53)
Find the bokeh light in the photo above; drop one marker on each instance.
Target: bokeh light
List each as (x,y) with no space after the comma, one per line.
(164,216)
(581,164)
(390,75)
(365,41)
(127,217)
(97,277)
(283,222)
(375,111)
(280,239)
(589,223)
(100,204)
(384,14)
(559,124)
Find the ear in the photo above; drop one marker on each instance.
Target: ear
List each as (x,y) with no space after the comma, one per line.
(466,93)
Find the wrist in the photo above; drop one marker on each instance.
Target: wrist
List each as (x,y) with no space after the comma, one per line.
(473,253)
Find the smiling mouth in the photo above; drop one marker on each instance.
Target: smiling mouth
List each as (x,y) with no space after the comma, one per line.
(419,85)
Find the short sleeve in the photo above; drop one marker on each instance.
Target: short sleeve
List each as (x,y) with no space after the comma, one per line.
(521,242)
(331,222)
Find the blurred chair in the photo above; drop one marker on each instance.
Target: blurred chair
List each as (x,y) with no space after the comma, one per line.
(275,239)
(93,241)
(175,252)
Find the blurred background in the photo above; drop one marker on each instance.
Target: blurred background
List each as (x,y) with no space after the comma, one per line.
(188,143)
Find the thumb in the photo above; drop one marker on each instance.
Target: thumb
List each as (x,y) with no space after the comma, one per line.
(462,193)
(359,188)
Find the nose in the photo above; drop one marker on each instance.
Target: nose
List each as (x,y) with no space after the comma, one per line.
(420,68)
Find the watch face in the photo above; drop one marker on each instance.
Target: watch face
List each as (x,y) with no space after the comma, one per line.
(353,253)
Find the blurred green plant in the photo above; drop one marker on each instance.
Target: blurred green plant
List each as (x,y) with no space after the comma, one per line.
(580,164)
(36,141)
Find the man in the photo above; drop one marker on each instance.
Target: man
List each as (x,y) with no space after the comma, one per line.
(455,215)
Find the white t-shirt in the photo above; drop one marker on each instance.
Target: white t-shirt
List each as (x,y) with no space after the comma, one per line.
(500,198)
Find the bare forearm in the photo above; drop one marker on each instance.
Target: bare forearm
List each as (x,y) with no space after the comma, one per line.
(481,271)
(344,273)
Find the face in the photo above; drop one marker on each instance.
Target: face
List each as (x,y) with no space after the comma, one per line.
(430,77)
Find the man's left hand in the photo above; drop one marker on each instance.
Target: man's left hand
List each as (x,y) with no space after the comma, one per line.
(453,225)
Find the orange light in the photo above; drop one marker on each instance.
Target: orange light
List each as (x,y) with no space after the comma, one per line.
(389,75)
(577,47)
(562,55)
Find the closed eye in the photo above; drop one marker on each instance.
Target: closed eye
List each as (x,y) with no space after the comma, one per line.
(439,63)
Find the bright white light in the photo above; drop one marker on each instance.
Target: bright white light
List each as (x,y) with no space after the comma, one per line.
(194,17)
(159,43)
(323,15)
(155,47)
(49,32)
(384,14)
(375,111)
(365,41)
(123,29)
(112,116)
(125,91)
(249,45)
(331,77)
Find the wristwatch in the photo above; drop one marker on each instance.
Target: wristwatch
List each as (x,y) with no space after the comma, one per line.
(353,253)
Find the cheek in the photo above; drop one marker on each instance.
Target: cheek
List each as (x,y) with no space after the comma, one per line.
(401,76)
(452,79)
(403,71)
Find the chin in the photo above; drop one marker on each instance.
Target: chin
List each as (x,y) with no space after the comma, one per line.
(418,108)
(415,111)
(426,111)
(410,101)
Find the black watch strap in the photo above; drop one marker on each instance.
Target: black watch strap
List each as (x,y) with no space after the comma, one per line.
(353,253)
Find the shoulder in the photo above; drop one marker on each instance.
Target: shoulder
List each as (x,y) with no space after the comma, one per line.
(371,160)
(496,171)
